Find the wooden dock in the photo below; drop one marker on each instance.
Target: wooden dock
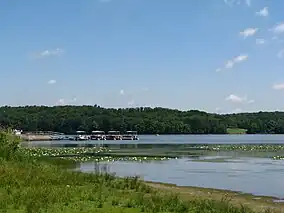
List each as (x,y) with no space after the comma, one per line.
(34,137)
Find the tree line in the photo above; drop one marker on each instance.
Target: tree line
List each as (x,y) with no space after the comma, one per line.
(145,120)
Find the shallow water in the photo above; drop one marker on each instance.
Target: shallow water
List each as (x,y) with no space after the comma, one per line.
(258,176)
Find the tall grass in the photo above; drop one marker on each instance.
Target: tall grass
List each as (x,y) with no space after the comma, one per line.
(36,185)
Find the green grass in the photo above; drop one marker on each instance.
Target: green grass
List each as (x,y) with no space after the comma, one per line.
(236,131)
(35,184)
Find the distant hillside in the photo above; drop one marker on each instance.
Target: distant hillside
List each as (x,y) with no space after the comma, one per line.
(145,120)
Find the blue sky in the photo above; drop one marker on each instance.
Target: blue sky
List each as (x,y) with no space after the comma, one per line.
(213,55)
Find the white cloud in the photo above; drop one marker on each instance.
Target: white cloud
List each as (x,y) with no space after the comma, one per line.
(218,109)
(49,53)
(235,111)
(279,86)
(131,103)
(218,70)
(235,99)
(229,64)
(274,38)
(280,54)
(248,32)
(121,92)
(263,12)
(240,58)
(238,100)
(51,82)
(260,41)
(237,2)
(250,101)
(248,2)
(279,28)
(63,101)
(277,39)
(232,62)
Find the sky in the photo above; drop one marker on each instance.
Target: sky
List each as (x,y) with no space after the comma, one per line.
(220,56)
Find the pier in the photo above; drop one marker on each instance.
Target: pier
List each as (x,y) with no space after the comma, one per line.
(39,135)
(80,136)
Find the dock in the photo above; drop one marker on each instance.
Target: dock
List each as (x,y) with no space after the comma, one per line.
(80,136)
(39,135)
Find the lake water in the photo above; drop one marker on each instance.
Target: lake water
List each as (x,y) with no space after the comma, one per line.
(251,171)
(185,139)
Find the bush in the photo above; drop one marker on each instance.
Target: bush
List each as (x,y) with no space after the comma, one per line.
(9,144)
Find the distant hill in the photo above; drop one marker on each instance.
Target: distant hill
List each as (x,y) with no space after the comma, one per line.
(145,120)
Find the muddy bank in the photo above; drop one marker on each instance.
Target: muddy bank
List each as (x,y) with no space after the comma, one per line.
(257,203)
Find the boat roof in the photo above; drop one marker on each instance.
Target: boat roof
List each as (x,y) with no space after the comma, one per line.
(97,131)
(80,131)
(131,131)
(113,131)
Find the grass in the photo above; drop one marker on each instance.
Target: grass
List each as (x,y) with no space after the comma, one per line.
(236,131)
(33,184)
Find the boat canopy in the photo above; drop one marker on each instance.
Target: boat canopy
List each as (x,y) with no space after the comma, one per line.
(113,132)
(131,132)
(80,131)
(97,131)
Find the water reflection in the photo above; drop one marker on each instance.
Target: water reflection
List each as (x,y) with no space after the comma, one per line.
(258,176)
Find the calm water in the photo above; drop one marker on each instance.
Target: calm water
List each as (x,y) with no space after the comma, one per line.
(259,176)
(187,139)
(249,172)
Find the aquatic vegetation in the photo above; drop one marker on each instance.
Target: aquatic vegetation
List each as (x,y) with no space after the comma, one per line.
(88,154)
(112,158)
(239,147)
(42,151)
(83,154)
(278,157)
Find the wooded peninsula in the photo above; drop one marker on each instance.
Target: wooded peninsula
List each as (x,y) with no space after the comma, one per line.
(145,120)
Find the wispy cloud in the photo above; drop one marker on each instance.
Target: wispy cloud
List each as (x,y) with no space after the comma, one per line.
(238,100)
(279,86)
(260,41)
(238,2)
(130,103)
(63,101)
(278,28)
(248,2)
(232,62)
(280,54)
(49,53)
(121,92)
(52,81)
(248,32)
(235,111)
(218,70)
(263,12)
(238,59)
(277,39)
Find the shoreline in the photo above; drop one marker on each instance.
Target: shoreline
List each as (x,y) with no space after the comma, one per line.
(255,202)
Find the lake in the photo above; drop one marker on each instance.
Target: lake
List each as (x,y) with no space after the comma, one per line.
(248,167)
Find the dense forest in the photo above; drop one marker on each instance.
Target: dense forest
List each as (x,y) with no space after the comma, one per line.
(145,120)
